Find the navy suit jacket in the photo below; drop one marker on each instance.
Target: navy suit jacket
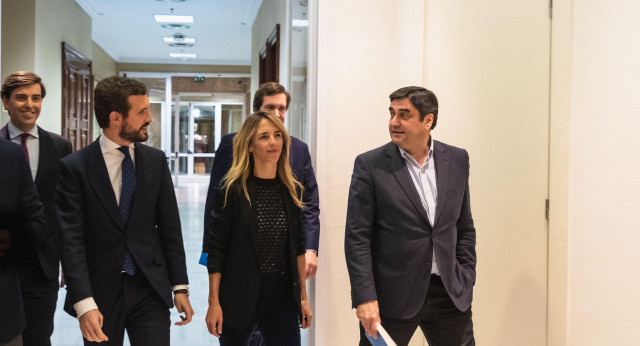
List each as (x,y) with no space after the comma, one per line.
(22,215)
(300,161)
(388,237)
(52,148)
(94,235)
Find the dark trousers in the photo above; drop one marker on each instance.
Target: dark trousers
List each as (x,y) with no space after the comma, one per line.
(140,311)
(39,296)
(276,318)
(441,322)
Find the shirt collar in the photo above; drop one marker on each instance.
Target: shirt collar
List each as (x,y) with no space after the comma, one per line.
(107,145)
(413,161)
(15,132)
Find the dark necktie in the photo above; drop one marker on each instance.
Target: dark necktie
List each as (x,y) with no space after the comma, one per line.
(126,196)
(23,142)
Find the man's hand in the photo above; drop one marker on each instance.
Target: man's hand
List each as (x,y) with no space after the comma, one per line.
(368,314)
(182,304)
(307,315)
(310,263)
(214,319)
(5,242)
(91,326)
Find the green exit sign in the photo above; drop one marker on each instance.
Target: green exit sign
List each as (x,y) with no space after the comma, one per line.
(198,79)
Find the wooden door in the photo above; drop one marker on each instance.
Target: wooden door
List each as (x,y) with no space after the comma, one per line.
(488,63)
(77,97)
(269,67)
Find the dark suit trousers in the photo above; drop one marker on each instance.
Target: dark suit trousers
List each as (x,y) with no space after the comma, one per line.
(39,295)
(139,310)
(441,322)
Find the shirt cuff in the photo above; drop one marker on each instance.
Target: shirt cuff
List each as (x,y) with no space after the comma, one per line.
(84,306)
(313,251)
(179,287)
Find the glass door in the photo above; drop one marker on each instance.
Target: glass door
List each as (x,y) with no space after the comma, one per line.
(198,131)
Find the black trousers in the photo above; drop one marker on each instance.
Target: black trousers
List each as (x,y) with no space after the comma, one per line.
(39,296)
(138,310)
(441,322)
(276,318)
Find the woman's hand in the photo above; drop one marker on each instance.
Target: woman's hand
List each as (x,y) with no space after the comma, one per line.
(214,319)
(307,315)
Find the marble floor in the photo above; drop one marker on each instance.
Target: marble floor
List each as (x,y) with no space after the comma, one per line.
(191,193)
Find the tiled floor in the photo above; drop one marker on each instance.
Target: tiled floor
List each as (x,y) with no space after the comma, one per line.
(191,194)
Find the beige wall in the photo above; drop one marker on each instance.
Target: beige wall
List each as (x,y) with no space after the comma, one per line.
(359,64)
(604,183)
(32,32)
(56,22)
(102,64)
(271,12)
(18,39)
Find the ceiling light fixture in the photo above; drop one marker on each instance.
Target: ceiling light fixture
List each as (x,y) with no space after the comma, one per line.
(178,38)
(183,55)
(300,23)
(181,45)
(172,18)
(176,26)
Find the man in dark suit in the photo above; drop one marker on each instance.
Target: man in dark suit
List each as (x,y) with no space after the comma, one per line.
(22,96)
(22,224)
(273,98)
(410,239)
(122,250)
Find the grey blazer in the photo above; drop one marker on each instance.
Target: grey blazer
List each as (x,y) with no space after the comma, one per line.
(388,237)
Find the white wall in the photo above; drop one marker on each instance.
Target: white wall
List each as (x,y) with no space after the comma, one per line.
(364,53)
(271,12)
(604,193)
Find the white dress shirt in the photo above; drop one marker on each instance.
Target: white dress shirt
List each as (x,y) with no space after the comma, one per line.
(33,145)
(424,179)
(113,159)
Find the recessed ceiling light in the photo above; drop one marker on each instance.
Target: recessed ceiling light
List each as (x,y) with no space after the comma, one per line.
(301,23)
(181,45)
(183,55)
(174,39)
(172,18)
(175,26)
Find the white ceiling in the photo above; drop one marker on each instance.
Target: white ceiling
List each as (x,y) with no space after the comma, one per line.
(127,31)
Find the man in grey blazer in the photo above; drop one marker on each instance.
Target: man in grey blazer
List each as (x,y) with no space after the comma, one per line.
(409,237)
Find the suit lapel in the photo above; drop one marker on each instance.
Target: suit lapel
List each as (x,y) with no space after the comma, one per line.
(402,175)
(144,172)
(442,176)
(99,179)
(46,156)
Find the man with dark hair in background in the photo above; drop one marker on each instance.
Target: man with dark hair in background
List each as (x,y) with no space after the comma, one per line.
(409,238)
(22,95)
(273,98)
(123,253)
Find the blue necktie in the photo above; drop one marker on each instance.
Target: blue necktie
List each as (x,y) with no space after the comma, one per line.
(126,196)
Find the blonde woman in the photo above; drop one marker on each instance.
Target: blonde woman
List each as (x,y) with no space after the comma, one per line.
(256,245)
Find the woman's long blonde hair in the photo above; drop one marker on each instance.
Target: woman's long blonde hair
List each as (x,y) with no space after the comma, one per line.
(243,160)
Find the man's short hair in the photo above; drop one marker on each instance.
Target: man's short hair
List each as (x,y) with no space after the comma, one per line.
(424,100)
(269,89)
(19,79)
(111,94)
